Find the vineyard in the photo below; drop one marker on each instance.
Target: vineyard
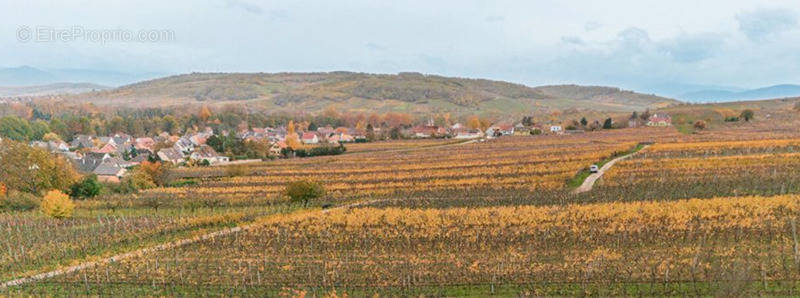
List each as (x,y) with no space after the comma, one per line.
(690,215)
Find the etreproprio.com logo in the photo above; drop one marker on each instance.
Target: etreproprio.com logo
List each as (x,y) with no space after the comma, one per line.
(79,33)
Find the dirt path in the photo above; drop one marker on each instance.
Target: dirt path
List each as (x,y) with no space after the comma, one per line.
(139,252)
(589,182)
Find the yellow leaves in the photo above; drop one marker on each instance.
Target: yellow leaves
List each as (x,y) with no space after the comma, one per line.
(56,204)
(580,219)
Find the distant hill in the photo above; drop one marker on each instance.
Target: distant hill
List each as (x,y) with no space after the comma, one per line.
(713,95)
(50,89)
(31,76)
(404,92)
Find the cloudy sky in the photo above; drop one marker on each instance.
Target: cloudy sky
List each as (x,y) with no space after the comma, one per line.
(636,44)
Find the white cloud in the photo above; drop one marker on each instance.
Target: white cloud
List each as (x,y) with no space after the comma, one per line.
(764,23)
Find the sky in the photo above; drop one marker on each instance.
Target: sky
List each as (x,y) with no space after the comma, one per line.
(640,45)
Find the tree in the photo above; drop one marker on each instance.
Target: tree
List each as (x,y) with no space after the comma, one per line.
(293,141)
(474,122)
(56,204)
(204,113)
(646,115)
(371,133)
(290,128)
(88,187)
(304,191)
(170,124)
(155,172)
(699,125)
(33,170)
(584,122)
(527,121)
(216,142)
(394,133)
(747,115)
(50,137)
(608,124)
(39,129)
(15,128)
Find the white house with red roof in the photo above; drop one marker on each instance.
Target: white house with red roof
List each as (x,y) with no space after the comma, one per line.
(659,119)
(309,138)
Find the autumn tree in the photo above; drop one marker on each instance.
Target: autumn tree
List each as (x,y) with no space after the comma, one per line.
(51,137)
(304,191)
(699,125)
(474,122)
(56,204)
(154,172)
(33,170)
(292,139)
(204,113)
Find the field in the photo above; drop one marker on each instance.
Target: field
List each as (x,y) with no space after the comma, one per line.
(713,213)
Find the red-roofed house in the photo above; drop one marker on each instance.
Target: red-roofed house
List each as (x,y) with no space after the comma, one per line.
(659,119)
(309,138)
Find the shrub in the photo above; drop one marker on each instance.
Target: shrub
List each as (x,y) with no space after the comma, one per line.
(19,201)
(747,115)
(56,204)
(700,125)
(304,191)
(88,187)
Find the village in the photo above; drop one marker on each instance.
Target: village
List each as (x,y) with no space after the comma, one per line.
(110,157)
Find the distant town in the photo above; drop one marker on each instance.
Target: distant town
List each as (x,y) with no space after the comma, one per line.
(110,157)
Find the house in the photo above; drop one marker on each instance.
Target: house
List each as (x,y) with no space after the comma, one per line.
(91,160)
(326,130)
(205,152)
(139,158)
(659,119)
(109,172)
(199,139)
(121,139)
(337,138)
(427,131)
(469,134)
(557,129)
(500,130)
(144,143)
(106,140)
(309,138)
(107,148)
(184,144)
(172,155)
(82,141)
(277,148)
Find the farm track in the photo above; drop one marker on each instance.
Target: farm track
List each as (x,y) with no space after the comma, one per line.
(588,184)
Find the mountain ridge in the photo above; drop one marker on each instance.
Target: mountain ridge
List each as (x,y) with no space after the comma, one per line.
(403,92)
(769,92)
